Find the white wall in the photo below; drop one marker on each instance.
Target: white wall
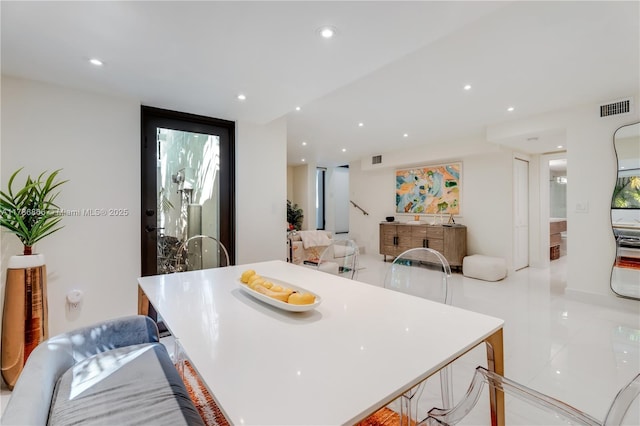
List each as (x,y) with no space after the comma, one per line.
(487,209)
(591,174)
(367,188)
(95,139)
(486,201)
(304,193)
(289,182)
(261,191)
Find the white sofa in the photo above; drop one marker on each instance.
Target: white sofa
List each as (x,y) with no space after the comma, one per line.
(298,253)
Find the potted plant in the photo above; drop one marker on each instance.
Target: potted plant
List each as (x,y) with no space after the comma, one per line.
(294,216)
(30,212)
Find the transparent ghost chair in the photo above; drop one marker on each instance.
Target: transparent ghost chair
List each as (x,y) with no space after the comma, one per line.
(425,273)
(616,415)
(197,252)
(201,252)
(340,258)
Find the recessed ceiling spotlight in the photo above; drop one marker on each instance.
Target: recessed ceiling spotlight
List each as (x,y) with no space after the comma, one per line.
(344,149)
(406,135)
(304,143)
(510,109)
(97,62)
(303,160)
(298,108)
(467,87)
(360,124)
(327,32)
(241,97)
(560,146)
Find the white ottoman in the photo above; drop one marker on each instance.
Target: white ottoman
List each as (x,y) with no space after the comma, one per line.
(485,268)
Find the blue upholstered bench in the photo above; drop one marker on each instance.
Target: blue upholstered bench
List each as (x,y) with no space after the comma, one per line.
(111,373)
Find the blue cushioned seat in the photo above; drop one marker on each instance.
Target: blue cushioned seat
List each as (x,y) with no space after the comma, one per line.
(110,373)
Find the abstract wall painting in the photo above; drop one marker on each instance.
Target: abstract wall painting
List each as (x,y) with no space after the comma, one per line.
(429,189)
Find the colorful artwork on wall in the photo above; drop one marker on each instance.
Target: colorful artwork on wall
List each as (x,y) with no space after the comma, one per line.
(429,189)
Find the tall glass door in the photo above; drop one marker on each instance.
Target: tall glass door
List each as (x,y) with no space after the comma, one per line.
(187,189)
(188,196)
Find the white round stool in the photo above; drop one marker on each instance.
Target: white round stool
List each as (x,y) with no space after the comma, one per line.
(485,268)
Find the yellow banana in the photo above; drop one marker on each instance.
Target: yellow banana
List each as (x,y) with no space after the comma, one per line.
(252,278)
(246,275)
(301,299)
(259,281)
(278,295)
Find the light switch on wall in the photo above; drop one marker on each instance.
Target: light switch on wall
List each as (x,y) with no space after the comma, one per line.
(582,207)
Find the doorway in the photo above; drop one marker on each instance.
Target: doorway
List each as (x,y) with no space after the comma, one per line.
(557,207)
(187,184)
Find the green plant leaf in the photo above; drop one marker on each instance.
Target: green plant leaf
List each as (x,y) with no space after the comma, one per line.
(30,212)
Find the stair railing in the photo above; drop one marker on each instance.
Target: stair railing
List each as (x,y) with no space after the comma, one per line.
(359,208)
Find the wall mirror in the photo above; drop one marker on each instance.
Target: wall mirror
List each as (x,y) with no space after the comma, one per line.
(625,213)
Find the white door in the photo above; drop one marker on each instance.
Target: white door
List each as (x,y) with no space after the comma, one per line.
(520,213)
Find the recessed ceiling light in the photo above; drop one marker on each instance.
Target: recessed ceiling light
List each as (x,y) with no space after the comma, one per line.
(327,32)
(344,149)
(510,109)
(467,87)
(304,143)
(406,135)
(560,146)
(242,97)
(303,160)
(298,108)
(360,124)
(96,62)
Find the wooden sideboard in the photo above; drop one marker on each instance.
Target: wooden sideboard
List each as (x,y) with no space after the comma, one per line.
(556,227)
(450,240)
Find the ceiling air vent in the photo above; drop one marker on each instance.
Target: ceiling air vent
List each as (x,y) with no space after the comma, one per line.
(614,108)
(376,159)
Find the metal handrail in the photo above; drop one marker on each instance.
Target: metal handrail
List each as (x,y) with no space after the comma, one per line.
(359,208)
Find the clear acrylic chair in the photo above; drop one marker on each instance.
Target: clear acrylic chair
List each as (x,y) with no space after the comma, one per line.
(201,252)
(425,273)
(197,252)
(340,258)
(560,410)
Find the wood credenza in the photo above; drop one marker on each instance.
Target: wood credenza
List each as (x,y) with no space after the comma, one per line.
(450,240)
(556,227)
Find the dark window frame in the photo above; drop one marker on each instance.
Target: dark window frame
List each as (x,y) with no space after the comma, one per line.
(152,118)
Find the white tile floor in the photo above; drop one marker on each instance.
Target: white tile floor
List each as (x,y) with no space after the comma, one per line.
(576,352)
(579,353)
